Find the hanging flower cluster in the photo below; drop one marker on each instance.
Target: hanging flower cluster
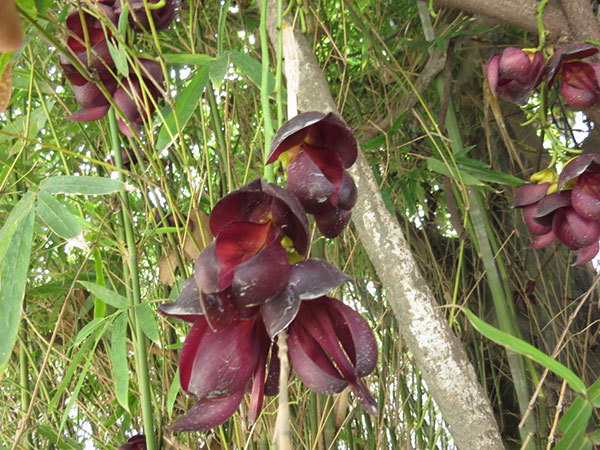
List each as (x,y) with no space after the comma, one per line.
(137,442)
(89,39)
(253,281)
(515,73)
(565,208)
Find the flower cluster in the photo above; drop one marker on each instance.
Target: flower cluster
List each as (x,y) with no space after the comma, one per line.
(90,41)
(515,73)
(137,442)
(565,208)
(253,281)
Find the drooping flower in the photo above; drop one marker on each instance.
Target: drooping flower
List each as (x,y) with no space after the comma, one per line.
(580,83)
(319,148)
(137,442)
(584,171)
(514,74)
(138,95)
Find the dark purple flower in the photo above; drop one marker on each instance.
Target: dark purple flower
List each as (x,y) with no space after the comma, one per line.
(319,147)
(94,103)
(137,442)
(137,96)
(565,54)
(138,19)
(584,171)
(514,74)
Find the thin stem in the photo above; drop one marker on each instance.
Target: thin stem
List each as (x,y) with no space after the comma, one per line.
(264,94)
(140,356)
(282,436)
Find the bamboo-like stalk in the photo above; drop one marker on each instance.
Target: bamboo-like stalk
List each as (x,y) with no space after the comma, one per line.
(140,356)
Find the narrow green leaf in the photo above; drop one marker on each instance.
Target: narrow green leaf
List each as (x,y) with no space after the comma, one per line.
(573,425)
(523,348)
(195,59)
(184,108)
(118,358)
(218,68)
(88,329)
(593,393)
(119,57)
(435,165)
(106,295)
(68,184)
(16,237)
(58,218)
(147,320)
(488,175)
(172,395)
(251,68)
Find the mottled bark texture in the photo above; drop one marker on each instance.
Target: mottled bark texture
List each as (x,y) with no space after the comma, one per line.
(438,353)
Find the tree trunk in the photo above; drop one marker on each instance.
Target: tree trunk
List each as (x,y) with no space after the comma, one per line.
(439,355)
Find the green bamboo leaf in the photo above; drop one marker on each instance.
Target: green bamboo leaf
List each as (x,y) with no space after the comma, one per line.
(573,425)
(106,295)
(56,215)
(250,67)
(118,358)
(593,393)
(488,175)
(523,348)
(68,184)
(172,395)
(184,108)
(195,59)
(218,68)
(435,165)
(87,330)
(16,237)
(147,320)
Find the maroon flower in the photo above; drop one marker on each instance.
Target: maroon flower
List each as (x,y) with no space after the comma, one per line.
(94,103)
(584,171)
(514,74)
(319,147)
(137,97)
(138,19)
(137,442)
(101,60)
(580,85)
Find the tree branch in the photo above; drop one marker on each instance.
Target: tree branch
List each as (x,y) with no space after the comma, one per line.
(438,353)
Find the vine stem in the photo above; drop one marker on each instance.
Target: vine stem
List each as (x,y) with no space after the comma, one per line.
(264,94)
(131,264)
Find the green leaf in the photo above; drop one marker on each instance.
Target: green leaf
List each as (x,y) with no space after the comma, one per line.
(68,184)
(380,140)
(57,216)
(190,59)
(87,330)
(106,295)
(119,56)
(593,393)
(251,68)
(435,165)
(147,321)
(16,237)
(172,395)
(523,348)
(118,358)
(485,174)
(573,425)
(184,108)
(218,68)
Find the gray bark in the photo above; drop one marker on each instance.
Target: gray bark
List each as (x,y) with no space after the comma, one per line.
(449,376)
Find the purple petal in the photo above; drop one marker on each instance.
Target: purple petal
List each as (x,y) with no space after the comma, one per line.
(529,194)
(364,397)
(209,413)
(307,182)
(579,86)
(206,271)
(492,72)
(262,277)
(551,203)
(125,129)
(347,194)
(257,392)
(569,52)
(280,312)
(332,221)
(292,133)
(313,278)
(543,240)
(573,230)
(586,254)
(586,197)
(536,226)
(272,382)
(311,363)
(90,96)
(216,364)
(89,114)
(187,306)
(577,166)
(218,309)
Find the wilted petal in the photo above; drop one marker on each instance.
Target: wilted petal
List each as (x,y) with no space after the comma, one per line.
(577,166)
(573,230)
(280,312)
(89,114)
(187,306)
(307,181)
(209,413)
(311,363)
(260,278)
(529,194)
(217,364)
(332,221)
(586,254)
